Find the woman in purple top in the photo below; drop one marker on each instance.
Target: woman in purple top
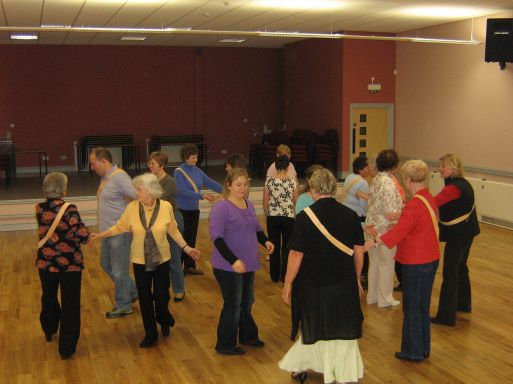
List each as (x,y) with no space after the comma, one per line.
(236,232)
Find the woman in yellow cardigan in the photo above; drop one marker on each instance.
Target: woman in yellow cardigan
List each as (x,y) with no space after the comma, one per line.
(150,219)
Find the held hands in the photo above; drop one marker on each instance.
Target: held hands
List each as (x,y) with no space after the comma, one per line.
(360,288)
(369,244)
(239,266)
(370,229)
(193,252)
(269,246)
(210,198)
(393,216)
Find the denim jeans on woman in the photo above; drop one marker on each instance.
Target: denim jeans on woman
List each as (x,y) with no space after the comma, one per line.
(238,295)
(417,281)
(115,261)
(175,264)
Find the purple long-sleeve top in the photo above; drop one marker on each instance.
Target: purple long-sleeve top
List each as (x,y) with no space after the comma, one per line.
(239,228)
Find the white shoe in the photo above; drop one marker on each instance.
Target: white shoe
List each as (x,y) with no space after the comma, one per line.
(394,303)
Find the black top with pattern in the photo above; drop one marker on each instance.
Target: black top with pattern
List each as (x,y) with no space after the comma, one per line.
(61,253)
(281,196)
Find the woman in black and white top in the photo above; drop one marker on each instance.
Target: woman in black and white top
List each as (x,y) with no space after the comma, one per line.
(280,195)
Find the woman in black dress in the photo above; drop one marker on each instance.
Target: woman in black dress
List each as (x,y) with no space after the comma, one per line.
(323,285)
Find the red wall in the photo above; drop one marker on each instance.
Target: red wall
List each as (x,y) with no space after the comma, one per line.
(322,78)
(56,94)
(364,59)
(313,85)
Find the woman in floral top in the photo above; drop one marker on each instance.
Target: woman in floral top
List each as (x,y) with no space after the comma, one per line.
(60,264)
(280,195)
(384,198)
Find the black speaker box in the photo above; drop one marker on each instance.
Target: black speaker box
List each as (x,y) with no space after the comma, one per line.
(499,40)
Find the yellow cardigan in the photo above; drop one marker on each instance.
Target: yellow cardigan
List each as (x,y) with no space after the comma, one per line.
(164,224)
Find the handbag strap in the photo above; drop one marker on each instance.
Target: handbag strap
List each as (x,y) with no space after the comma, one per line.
(431,213)
(54,225)
(104,182)
(344,248)
(189,179)
(346,189)
(459,219)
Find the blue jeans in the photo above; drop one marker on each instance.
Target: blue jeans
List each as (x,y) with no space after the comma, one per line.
(175,264)
(417,282)
(238,295)
(115,261)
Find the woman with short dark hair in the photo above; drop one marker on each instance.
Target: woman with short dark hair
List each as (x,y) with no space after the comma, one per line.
(189,181)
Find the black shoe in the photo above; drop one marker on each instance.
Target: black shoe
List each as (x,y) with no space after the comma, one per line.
(401,356)
(300,376)
(147,343)
(426,355)
(66,356)
(177,299)
(257,343)
(230,351)
(399,288)
(435,320)
(165,330)
(48,337)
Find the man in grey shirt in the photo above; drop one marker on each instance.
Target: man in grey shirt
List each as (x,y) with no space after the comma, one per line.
(114,193)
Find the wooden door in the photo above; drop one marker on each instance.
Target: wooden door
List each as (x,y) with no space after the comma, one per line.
(370,131)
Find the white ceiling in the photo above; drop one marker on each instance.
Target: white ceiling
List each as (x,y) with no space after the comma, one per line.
(388,16)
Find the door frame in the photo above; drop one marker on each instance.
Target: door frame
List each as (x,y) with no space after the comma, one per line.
(390,126)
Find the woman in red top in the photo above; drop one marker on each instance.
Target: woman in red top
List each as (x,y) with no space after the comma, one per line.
(416,238)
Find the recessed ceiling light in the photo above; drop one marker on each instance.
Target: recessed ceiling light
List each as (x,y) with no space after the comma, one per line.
(133,38)
(24,36)
(232,40)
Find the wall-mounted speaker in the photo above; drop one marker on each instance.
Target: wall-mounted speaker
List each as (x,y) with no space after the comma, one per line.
(499,41)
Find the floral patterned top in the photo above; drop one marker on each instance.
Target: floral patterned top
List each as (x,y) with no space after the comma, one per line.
(281,196)
(383,198)
(61,253)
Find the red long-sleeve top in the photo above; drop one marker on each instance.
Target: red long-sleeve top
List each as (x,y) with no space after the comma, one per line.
(414,234)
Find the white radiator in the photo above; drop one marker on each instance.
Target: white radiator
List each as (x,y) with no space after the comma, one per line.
(494,200)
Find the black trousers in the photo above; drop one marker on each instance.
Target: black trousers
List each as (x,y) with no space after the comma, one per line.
(67,313)
(238,290)
(455,294)
(153,290)
(190,231)
(279,229)
(365,266)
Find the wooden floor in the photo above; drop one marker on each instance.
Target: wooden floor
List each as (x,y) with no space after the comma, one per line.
(478,350)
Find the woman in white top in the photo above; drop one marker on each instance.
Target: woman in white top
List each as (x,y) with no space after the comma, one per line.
(280,195)
(384,198)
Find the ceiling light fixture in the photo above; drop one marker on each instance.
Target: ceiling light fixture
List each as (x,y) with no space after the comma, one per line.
(232,40)
(133,38)
(24,36)
(239,34)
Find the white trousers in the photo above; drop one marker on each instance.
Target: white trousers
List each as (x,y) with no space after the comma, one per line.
(380,277)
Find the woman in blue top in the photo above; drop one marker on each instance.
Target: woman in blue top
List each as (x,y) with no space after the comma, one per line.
(305,199)
(189,181)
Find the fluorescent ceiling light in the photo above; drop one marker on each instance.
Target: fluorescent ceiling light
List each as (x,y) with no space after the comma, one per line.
(133,38)
(232,40)
(238,34)
(300,4)
(442,11)
(24,36)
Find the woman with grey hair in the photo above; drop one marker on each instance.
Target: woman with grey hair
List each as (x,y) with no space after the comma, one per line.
(60,263)
(150,220)
(323,285)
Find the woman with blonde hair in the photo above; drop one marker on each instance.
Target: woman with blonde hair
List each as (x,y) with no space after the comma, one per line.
(416,238)
(458,227)
(150,220)
(236,232)
(323,285)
